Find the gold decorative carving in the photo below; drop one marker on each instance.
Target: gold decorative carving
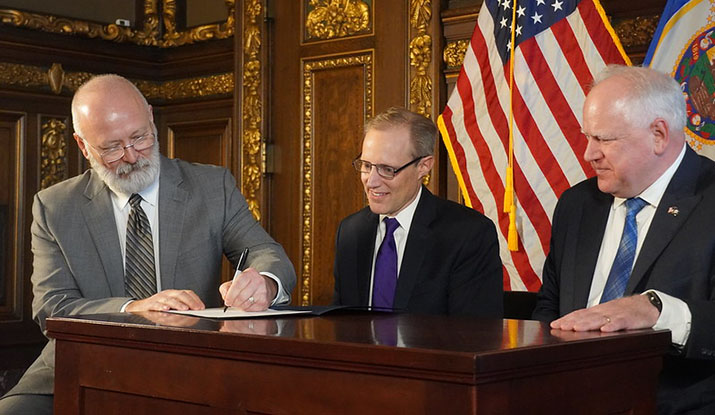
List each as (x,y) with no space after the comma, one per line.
(637,31)
(253,151)
(420,57)
(54,24)
(309,67)
(33,77)
(454,51)
(173,38)
(56,76)
(149,35)
(329,19)
(53,155)
(220,84)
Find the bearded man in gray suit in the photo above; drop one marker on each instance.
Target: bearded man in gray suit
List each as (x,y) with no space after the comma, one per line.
(81,237)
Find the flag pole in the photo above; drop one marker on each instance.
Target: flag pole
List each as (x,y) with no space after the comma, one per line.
(509,203)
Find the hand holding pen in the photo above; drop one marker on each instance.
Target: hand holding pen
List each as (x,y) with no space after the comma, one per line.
(239,267)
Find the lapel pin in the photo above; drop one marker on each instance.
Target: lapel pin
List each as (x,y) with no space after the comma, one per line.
(673,210)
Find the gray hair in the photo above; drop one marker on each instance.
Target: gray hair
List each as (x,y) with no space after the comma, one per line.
(651,94)
(423,132)
(106,81)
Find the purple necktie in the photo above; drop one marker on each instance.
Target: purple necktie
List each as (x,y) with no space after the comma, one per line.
(383,291)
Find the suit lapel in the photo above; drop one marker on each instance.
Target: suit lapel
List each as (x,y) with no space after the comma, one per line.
(418,243)
(99,218)
(365,250)
(679,196)
(172,212)
(590,236)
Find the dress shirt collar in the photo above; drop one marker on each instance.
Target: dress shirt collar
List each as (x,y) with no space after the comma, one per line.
(150,195)
(404,217)
(653,193)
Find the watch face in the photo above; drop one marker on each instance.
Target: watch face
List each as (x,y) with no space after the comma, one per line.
(655,300)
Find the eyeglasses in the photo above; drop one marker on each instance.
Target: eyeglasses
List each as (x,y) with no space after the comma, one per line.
(387,172)
(113,154)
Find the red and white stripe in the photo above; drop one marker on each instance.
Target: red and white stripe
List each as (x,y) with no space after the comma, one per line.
(551,74)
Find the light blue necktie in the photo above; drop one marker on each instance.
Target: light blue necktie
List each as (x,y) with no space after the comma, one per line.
(623,264)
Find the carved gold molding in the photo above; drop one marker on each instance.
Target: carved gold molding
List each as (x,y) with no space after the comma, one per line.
(637,31)
(364,59)
(253,150)
(33,77)
(330,19)
(420,57)
(149,35)
(454,51)
(53,153)
(203,86)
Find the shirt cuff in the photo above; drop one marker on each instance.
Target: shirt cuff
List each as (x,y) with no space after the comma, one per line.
(282,296)
(124,306)
(675,317)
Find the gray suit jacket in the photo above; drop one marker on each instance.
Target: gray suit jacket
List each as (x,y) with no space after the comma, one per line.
(78,266)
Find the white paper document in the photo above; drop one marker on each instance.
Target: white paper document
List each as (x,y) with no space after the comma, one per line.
(236,313)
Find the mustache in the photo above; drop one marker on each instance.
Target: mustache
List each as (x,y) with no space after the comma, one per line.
(127,168)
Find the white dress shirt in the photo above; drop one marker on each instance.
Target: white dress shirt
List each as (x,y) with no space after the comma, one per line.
(404,217)
(675,315)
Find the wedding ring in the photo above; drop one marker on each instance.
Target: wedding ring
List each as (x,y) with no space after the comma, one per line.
(608,319)
(253,300)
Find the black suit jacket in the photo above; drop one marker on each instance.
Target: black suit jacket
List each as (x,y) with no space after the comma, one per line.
(451,262)
(677,258)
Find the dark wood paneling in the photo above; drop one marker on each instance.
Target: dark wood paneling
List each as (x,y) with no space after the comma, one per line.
(325,107)
(339,113)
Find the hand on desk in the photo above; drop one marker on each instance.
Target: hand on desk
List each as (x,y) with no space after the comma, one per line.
(168,300)
(251,291)
(634,312)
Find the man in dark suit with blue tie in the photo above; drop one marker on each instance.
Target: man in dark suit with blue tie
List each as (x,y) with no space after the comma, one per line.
(409,250)
(634,247)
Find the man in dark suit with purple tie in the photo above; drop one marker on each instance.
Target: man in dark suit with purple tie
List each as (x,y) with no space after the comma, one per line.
(409,250)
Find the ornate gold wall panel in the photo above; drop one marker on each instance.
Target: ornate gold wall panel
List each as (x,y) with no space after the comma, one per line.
(331,19)
(34,77)
(637,31)
(53,152)
(149,35)
(454,51)
(253,153)
(310,68)
(420,57)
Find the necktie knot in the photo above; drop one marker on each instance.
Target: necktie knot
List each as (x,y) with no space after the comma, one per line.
(390,225)
(634,205)
(135,200)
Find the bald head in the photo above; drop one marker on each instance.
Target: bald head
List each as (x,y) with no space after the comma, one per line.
(106,101)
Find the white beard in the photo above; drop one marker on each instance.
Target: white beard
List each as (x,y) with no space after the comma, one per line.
(129,178)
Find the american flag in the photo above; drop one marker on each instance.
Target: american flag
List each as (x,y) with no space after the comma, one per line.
(559,46)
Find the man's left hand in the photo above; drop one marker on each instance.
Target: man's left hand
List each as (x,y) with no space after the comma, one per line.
(250,291)
(628,313)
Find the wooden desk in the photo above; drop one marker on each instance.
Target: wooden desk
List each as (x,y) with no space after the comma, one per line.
(158,363)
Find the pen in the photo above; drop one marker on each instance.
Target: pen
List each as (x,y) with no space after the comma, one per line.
(239,267)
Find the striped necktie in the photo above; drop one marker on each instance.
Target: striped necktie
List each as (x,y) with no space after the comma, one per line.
(623,263)
(139,271)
